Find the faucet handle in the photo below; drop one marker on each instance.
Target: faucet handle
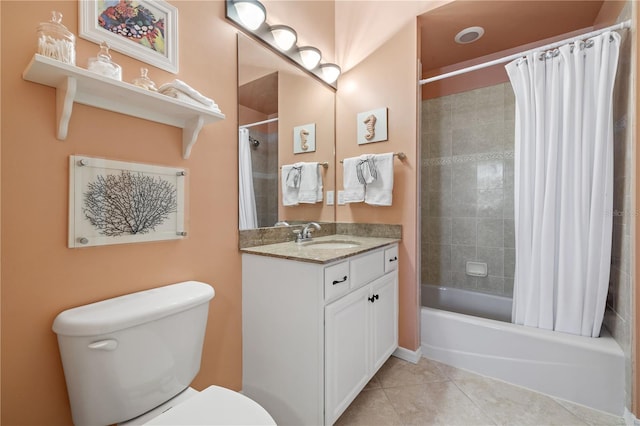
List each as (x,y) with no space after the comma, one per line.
(298,234)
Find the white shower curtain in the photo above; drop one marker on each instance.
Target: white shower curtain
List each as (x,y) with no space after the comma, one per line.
(248,218)
(564,185)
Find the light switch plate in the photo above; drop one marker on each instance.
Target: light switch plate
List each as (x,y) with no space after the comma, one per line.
(341,198)
(329,198)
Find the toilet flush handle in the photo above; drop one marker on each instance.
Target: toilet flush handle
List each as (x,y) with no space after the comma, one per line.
(104,345)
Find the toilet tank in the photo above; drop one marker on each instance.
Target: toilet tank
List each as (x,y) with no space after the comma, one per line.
(126,355)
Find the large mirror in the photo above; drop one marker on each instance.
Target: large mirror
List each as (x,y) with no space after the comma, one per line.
(277,101)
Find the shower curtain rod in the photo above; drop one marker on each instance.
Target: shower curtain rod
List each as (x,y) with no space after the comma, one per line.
(257,123)
(622,25)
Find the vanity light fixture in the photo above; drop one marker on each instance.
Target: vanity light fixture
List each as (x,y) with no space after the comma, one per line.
(284,36)
(330,72)
(310,56)
(250,16)
(251,13)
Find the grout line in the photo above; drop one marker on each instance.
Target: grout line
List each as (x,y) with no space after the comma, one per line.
(487,414)
(393,407)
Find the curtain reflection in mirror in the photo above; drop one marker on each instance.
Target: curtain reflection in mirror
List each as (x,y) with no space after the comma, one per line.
(247,200)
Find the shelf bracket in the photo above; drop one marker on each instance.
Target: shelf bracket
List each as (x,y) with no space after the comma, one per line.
(190,135)
(65,94)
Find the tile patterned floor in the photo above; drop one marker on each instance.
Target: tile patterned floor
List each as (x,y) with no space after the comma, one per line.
(431,393)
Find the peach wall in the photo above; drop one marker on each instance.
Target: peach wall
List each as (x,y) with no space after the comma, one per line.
(315,27)
(609,13)
(363,26)
(40,275)
(303,100)
(387,78)
(247,115)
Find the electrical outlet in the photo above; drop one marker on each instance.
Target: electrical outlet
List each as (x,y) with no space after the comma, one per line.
(341,198)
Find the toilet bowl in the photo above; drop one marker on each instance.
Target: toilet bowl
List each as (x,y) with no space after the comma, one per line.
(130,360)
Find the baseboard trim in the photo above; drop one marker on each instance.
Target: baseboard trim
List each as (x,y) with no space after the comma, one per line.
(408,355)
(629,418)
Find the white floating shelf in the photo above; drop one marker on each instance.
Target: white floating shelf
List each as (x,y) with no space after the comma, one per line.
(75,84)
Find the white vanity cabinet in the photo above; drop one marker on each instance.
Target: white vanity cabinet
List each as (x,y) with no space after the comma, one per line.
(361,332)
(315,334)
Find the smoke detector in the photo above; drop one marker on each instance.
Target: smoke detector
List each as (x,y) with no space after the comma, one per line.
(469,35)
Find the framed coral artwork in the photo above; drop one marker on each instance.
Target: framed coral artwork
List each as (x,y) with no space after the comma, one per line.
(146,30)
(115,202)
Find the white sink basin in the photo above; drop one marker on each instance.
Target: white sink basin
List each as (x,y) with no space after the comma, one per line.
(331,244)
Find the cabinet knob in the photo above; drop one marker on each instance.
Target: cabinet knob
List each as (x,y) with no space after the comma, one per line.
(393,259)
(340,281)
(373,298)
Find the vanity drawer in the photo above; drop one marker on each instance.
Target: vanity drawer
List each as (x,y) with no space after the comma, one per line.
(391,259)
(336,280)
(367,268)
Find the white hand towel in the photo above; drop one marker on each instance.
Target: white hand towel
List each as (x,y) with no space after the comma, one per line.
(181,96)
(309,183)
(294,175)
(379,192)
(353,189)
(366,169)
(289,194)
(319,194)
(187,90)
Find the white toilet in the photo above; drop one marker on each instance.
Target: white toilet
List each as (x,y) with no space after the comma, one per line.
(131,359)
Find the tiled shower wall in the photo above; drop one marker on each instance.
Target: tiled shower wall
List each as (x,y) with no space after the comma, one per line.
(619,315)
(467,194)
(264,161)
(467,189)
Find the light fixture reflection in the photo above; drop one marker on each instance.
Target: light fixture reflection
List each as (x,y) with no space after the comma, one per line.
(310,56)
(330,72)
(251,12)
(284,36)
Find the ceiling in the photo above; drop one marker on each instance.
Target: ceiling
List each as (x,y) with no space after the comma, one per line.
(507,24)
(260,94)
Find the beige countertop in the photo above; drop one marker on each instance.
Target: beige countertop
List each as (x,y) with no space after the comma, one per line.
(306,252)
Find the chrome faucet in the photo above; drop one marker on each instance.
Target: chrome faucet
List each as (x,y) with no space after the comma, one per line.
(305,233)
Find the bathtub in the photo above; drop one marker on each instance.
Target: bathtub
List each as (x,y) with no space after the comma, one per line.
(467,302)
(584,370)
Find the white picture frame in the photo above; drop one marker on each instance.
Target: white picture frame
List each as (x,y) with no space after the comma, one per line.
(304,138)
(100,21)
(144,203)
(372,126)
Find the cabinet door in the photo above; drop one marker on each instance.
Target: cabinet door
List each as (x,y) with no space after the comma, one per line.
(384,318)
(347,349)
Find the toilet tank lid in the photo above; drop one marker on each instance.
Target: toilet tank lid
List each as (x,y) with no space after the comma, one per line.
(132,309)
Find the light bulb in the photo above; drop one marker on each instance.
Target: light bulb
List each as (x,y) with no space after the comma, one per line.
(251,12)
(330,72)
(310,57)
(284,36)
